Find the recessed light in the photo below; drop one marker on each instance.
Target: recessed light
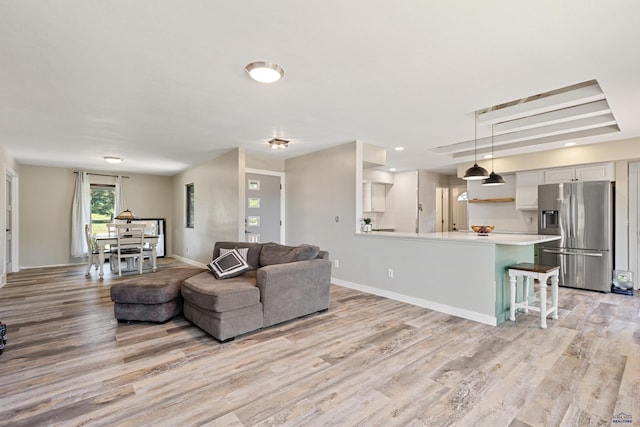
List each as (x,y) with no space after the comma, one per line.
(399,148)
(488,156)
(264,72)
(113,159)
(569,144)
(392,169)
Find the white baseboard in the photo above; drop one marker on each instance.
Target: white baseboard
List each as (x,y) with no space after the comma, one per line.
(442,308)
(189,261)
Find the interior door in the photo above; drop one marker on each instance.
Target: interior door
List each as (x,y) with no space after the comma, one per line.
(634,224)
(263,213)
(458,208)
(8,249)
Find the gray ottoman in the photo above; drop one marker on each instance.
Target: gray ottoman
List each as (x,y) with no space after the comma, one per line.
(152,297)
(223,308)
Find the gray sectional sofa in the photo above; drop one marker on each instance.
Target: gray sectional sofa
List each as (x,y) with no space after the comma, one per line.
(283,283)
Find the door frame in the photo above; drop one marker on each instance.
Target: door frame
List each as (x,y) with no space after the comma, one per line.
(281,175)
(634,217)
(13,250)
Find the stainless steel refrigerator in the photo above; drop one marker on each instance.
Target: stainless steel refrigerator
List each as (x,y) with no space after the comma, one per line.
(581,213)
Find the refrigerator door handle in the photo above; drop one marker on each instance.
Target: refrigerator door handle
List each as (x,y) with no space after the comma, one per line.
(595,254)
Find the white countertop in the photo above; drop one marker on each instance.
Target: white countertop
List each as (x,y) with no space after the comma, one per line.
(467,237)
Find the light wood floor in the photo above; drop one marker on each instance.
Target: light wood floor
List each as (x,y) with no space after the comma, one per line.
(368,361)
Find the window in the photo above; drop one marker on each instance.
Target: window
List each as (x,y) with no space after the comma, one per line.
(102,205)
(190,203)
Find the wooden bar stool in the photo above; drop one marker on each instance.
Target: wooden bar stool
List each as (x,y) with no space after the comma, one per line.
(532,271)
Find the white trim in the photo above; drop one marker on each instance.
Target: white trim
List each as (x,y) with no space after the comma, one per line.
(634,231)
(442,308)
(282,195)
(188,261)
(15,226)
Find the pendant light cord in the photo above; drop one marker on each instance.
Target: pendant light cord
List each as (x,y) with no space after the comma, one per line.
(492,168)
(475,139)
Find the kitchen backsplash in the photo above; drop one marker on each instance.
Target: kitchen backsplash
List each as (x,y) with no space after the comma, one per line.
(503,215)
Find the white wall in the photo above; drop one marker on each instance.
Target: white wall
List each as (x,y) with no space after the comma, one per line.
(218,206)
(503,215)
(401,204)
(46,195)
(422,271)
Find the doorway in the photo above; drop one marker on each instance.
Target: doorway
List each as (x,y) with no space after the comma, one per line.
(264,207)
(11,224)
(634,219)
(459,207)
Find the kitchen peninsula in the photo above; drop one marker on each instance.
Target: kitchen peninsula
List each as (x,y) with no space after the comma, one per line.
(458,273)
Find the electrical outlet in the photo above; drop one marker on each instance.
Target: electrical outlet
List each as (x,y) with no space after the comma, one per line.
(336,263)
(337,218)
(390,272)
(186,251)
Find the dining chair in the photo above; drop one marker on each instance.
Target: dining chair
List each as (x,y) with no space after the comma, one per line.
(93,250)
(112,231)
(130,240)
(150,230)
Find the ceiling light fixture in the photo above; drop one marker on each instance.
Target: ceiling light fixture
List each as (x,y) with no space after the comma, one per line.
(264,72)
(569,144)
(278,144)
(494,178)
(475,172)
(113,159)
(399,148)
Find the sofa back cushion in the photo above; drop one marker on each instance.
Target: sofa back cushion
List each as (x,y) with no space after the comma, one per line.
(274,253)
(253,255)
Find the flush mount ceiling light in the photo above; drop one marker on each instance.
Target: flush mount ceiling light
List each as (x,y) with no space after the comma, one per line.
(278,144)
(475,172)
(113,159)
(264,72)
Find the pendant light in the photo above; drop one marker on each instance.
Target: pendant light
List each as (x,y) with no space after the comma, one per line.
(494,178)
(475,172)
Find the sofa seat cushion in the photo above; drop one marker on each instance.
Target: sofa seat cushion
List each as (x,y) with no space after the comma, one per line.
(205,291)
(153,288)
(274,253)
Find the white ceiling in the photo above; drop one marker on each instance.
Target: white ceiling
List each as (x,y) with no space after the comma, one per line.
(162,82)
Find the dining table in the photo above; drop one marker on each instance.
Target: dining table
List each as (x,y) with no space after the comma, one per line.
(102,240)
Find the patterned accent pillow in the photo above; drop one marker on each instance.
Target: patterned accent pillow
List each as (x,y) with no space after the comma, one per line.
(242,251)
(229,264)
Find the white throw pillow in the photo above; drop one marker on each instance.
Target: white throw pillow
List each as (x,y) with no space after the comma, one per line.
(229,264)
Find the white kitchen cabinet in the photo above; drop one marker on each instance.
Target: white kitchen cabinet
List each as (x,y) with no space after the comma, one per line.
(527,189)
(594,172)
(373,197)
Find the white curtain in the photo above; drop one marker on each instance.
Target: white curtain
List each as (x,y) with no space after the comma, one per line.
(120,205)
(80,215)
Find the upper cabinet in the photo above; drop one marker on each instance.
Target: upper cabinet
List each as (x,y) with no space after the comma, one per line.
(379,176)
(373,197)
(595,172)
(527,189)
